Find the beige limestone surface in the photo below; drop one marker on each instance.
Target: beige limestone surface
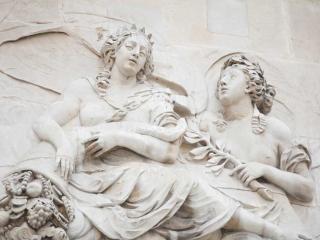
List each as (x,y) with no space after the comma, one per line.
(46,44)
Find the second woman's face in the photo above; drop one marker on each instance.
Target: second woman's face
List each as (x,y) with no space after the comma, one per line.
(232,85)
(132,55)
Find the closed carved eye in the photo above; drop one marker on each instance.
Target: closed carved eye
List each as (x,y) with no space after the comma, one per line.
(142,54)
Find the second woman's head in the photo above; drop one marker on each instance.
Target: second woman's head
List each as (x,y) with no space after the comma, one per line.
(240,77)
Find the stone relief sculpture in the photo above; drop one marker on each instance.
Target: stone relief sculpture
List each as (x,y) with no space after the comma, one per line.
(267,147)
(254,145)
(119,162)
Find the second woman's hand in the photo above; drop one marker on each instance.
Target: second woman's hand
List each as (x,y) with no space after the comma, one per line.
(248,172)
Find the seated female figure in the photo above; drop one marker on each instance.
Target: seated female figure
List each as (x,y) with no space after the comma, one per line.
(261,144)
(121,162)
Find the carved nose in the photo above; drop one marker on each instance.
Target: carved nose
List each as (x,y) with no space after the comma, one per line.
(135,52)
(222,82)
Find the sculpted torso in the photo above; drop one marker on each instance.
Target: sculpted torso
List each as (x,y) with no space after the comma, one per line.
(94,110)
(238,138)
(261,144)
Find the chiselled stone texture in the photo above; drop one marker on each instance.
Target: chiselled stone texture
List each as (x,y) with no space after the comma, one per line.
(47,45)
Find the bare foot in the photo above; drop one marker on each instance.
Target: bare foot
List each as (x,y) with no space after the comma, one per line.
(292,235)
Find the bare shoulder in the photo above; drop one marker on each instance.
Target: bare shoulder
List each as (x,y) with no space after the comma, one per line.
(158,95)
(278,129)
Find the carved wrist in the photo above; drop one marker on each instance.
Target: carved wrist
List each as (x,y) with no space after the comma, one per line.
(64,143)
(119,138)
(268,171)
(271,231)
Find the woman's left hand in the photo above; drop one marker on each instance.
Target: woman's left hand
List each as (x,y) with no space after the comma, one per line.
(100,143)
(249,171)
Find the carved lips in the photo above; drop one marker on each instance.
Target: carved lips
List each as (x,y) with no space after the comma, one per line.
(133,60)
(223,90)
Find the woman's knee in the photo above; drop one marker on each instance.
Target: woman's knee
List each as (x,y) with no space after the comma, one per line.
(81,228)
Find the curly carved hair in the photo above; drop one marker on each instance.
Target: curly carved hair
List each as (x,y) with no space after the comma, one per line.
(261,93)
(114,42)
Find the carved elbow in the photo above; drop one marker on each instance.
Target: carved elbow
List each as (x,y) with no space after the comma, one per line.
(39,124)
(171,155)
(36,126)
(169,158)
(306,193)
(310,190)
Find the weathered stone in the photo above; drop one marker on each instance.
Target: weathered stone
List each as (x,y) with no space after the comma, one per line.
(268,30)
(304,16)
(44,58)
(46,45)
(237,15)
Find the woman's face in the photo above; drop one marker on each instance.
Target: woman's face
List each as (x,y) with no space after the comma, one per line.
(131,56)
(232,85)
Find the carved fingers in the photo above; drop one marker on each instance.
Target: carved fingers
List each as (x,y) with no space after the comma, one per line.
(236,169)
(98,144)
(94,145)
(65,160)
(102,86)
(95,148)
(249,172)
(65,165)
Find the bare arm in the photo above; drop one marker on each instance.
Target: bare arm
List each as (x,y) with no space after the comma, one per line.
(166,134)
(158,140)
(296,181)
(49,128)
(149,147)
(299,185)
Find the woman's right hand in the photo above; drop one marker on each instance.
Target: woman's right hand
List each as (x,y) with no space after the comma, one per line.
(65,160)
(100,143)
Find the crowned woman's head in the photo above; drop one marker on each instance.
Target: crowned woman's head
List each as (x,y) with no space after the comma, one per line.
(256,87)
(134,43)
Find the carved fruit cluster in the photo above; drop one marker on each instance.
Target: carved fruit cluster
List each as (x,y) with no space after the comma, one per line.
(39,214)
(32,205)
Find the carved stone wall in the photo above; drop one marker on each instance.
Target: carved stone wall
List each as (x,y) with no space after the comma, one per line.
(45,44)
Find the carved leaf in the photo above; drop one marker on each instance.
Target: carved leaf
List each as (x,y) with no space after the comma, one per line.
(200,152)
(191,140)
(193,137)
(217,163)
(216,170)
